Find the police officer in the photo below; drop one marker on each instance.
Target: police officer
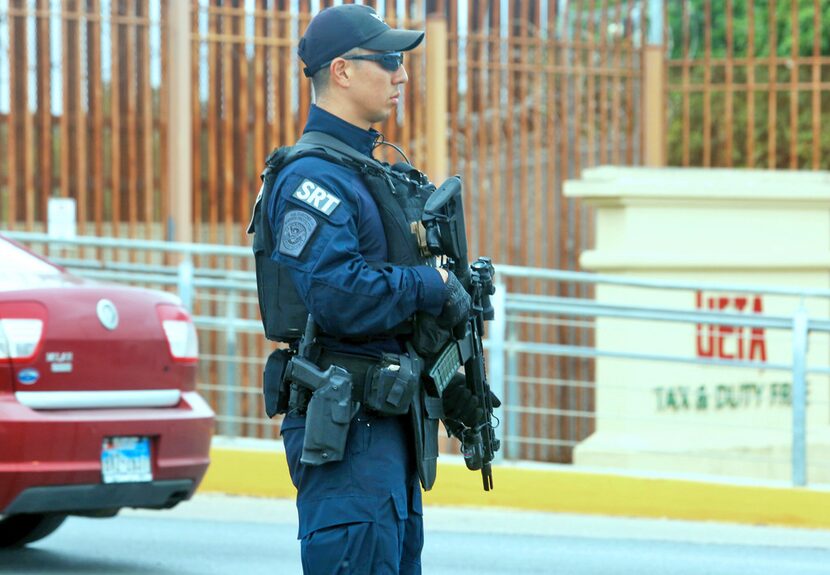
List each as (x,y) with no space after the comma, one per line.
(363,513)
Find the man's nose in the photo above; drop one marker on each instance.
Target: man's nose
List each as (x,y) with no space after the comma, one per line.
(400,76)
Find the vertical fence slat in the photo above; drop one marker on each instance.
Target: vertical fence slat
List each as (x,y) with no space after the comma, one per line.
(816,92)
(418,119)
(707,85)
(214,154)
(794,69)
(633,57)
(227,92)
(581,44)
(554,198)
(587,62)
(96,107)
(65,165)
(81,121)
(513,46)
(260,85)
(685,86)
(29,151)
(469,142)
(163,119)
(146,114)
(539,187)
(522,211)
(453,53)
(44,110)
(729,76)
(13,133)
(132,172)
(288,81)
(493,119)
(115,118)
(577,79)
(750,86)
(563,217)
(280,74)
(603,84)
(772,83)
(616,108)
(481,57)
(243,160)
(197,123)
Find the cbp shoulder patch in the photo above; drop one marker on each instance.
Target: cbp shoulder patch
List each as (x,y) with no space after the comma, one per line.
(297,229)
(316,197)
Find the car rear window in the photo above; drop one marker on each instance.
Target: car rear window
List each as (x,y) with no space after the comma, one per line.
(17,265)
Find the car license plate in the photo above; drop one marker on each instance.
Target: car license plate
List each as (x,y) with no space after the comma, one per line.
(126,460)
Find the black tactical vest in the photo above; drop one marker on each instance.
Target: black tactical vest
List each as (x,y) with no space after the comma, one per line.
(399,191)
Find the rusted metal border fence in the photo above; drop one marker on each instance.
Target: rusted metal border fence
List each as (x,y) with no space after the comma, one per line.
(251,96)
(545,90)
(538,91)
(87,120)
(537,94)
(748,83)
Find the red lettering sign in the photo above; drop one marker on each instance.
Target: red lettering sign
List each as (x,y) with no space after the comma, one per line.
(730,341)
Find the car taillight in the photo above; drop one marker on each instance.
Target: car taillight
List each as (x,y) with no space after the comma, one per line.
(180,333)
(22,325)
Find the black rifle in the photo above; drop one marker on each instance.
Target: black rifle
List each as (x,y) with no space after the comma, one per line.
(445,236)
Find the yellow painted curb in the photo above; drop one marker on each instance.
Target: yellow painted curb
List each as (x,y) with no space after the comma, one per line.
(248,472)
(265,474)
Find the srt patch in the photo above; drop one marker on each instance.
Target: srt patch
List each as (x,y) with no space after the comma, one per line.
(297,228)
(316,197)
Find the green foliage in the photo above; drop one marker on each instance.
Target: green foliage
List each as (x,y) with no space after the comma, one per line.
(754,112)
(782,25)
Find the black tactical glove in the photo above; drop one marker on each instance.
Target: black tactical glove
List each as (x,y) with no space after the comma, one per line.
(460,404)
(457,306)
(429,338)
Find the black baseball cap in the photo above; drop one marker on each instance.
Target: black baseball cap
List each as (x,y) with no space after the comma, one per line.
(338,29)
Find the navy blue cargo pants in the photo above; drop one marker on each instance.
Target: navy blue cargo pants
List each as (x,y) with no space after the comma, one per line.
(361,515)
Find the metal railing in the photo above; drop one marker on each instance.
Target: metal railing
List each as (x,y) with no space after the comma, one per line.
(541,352)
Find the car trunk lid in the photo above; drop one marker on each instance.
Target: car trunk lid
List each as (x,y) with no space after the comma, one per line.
(92,338)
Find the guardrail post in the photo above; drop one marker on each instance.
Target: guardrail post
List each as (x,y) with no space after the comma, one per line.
(511,419)
(231,402)
(799,397)
(495,333)
(185,283)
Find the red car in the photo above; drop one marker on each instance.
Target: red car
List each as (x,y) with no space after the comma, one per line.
(98,408)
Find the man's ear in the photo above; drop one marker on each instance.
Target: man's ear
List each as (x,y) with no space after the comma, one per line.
(341,72)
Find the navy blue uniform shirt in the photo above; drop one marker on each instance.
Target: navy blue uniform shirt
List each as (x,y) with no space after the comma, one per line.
(328,232)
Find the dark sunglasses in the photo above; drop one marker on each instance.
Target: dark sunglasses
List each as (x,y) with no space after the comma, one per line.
(389,61)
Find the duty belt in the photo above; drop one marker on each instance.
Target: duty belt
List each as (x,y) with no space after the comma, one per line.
(357,365)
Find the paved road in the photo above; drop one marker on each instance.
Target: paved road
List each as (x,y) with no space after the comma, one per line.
(215,534)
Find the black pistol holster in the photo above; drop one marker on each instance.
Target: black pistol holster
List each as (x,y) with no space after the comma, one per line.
(329,411)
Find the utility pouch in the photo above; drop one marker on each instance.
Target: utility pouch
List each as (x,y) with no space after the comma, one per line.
(275,388)
(391,385)
(327,418)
